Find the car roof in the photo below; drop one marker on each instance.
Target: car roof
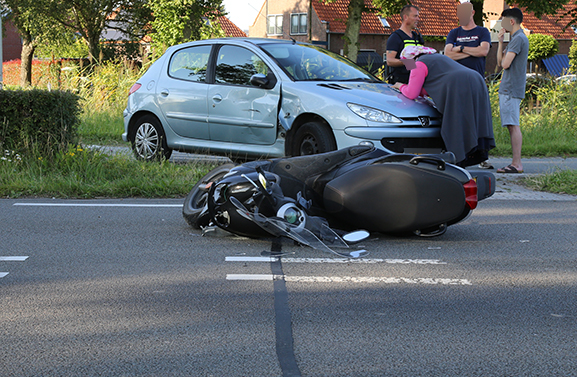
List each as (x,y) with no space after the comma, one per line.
(254,41)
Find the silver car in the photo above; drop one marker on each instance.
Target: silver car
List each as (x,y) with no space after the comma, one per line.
(248,98)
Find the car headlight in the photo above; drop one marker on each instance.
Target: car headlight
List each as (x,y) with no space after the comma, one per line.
(373,115)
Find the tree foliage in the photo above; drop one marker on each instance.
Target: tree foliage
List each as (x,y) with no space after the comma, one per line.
(89,18)
(179,21)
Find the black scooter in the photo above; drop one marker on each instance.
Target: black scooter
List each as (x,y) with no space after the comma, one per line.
(317,199)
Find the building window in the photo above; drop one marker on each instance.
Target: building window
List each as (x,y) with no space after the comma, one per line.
(299,23)
(274,24)
(385,22)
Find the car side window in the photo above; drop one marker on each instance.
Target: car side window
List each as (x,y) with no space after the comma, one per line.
(236,65)
(190,63)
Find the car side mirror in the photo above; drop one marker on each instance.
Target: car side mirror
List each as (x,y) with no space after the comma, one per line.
(259,80)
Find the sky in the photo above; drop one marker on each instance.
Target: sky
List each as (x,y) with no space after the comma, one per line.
(242,12)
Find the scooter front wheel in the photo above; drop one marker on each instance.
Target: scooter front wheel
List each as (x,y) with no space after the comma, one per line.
(195,201)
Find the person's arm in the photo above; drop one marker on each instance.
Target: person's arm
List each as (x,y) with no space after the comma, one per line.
(508,59)
(453,52)
(479,52)
(392,60)
(416,82)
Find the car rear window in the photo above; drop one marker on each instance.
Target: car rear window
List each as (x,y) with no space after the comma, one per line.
(190,63)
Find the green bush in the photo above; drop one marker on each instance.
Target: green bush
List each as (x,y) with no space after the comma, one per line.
(542,46)
(40,121)
(573,57)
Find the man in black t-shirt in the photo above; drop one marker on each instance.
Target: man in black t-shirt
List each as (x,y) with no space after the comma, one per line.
(468,44)
(399,39)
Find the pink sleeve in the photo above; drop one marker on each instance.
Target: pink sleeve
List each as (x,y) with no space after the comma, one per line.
(416,82)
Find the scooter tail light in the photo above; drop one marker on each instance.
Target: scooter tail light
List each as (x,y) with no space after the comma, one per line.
(471,194)
(134,88)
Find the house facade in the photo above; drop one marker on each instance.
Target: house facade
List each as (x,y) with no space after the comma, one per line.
(11,42)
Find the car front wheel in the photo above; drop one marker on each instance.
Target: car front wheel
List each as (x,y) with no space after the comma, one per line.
(313,138)
(149,141)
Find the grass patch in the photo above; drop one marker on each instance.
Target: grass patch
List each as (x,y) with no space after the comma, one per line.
(81,173)
(101,127)
(559,182)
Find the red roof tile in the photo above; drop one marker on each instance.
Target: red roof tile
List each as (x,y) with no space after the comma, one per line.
(437,17)
(229,28)
(336,13)
(550,24)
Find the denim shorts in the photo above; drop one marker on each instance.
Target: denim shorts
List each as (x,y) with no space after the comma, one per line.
(510,109)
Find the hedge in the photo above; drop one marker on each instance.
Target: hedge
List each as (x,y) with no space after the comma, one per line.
(38,120)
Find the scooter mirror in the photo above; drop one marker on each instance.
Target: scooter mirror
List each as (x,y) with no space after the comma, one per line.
(356,236)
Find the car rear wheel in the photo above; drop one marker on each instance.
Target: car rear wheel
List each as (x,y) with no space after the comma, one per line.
(313,138)
(149,141)
(196,199)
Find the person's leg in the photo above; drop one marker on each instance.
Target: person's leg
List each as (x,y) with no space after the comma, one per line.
(516,144)
(510,117)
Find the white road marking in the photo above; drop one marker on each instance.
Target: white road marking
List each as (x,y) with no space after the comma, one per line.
(334,260)
(2,274)
(13,259)
(351,279)
(250,277)
(96,205)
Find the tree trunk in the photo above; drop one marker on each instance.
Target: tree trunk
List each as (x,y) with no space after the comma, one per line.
(26,59)
(478,7)
(93,47)
(353,28)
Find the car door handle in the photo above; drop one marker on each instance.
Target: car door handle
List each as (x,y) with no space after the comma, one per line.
(164,92)
(217,98)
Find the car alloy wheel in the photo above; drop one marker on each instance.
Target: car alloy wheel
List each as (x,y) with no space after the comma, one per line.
(149,141)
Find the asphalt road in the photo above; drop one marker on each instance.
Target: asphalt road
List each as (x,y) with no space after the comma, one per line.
(125,288)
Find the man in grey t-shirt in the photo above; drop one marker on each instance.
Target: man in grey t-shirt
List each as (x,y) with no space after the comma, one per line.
(512,88)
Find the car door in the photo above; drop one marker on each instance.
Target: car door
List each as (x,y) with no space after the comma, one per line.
(238,111)
(182,93)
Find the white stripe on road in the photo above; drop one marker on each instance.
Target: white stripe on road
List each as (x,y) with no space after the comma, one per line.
(2,274)
(334,260)
(351,279)
(13,259)
(250,277)
(95,205)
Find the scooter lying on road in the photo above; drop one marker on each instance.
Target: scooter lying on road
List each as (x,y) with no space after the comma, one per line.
(315,200)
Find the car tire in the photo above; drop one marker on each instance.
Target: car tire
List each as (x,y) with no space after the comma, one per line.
(196,199)
(313,138)
(149,140)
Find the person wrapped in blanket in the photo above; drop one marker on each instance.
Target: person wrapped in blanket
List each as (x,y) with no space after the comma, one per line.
(460,94)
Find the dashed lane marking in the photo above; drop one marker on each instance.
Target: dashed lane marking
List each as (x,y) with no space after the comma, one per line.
(334,260)
(13,259)
(349,279)
(2,274)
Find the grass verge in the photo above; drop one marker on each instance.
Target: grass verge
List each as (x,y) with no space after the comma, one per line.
(81,173)
(559,182)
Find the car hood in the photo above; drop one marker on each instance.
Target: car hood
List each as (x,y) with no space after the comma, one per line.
(381,96)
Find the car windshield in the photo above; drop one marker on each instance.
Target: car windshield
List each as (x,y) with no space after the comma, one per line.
(311,63)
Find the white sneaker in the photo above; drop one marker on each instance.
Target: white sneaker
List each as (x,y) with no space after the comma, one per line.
(486,165)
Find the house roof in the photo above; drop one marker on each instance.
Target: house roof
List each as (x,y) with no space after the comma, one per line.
(550,24)
(336,13)
(437,18)
(229,28)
